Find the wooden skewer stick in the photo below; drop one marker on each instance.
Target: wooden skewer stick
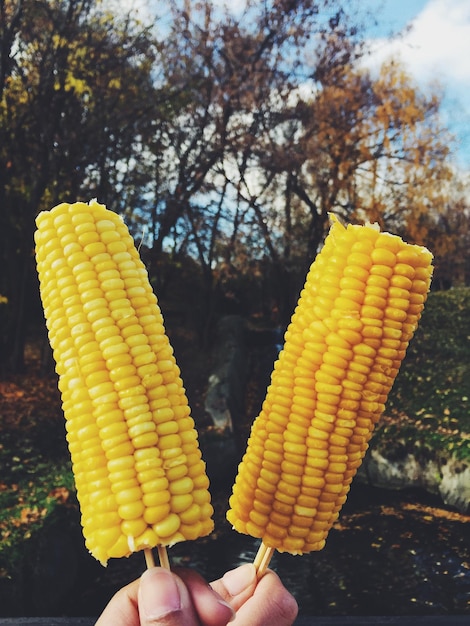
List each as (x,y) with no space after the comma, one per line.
(163,557)
(259,555)
(149,560)
(262,559)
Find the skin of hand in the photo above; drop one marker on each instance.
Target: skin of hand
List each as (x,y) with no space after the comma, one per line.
(183,598)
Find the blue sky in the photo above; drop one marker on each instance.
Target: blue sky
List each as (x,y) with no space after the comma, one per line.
(393,15)
(435,47)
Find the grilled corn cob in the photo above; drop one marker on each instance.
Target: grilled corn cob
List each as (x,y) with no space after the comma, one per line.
(358,310)
(140,478)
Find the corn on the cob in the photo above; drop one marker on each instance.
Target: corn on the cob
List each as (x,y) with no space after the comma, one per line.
(140,478)
(358,310)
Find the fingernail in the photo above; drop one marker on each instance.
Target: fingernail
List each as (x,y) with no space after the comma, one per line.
(239,579)
(233,614)
(158,594)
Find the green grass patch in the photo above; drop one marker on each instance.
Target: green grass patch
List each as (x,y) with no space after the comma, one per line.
(428,410)
(31,488)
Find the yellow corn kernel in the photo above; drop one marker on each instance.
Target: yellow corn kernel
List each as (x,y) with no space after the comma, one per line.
(342,352)
(134,449)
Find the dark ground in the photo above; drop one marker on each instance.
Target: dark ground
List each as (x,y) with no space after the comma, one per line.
(389,554)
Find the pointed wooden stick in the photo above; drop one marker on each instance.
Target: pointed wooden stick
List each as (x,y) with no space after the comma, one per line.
(262,559)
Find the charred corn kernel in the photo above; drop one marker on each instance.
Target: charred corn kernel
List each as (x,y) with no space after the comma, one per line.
(360,305)
(138,469)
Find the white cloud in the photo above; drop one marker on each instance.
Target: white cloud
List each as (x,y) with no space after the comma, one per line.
(436,46)
(442,34)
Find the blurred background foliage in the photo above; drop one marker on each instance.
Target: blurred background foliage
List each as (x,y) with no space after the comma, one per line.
(223,140)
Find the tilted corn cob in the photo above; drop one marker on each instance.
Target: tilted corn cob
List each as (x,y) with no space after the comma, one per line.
(358,310)
(140,478)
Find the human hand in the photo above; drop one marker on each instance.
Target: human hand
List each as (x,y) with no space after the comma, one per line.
(163,598)
(264,602)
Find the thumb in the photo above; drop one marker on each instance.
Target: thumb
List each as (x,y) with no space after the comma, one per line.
(164,600)
(237,585)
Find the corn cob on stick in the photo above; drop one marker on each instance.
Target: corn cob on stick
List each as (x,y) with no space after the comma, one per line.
(140,478)
(359,308)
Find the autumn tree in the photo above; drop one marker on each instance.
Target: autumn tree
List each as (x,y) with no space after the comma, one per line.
(374,149)
(231,82)
(76,83)
(227,137)
(277,123)
(10,19)
(447,234)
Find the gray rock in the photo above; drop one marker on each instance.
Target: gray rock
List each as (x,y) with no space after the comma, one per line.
(448,478)
(225,396)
